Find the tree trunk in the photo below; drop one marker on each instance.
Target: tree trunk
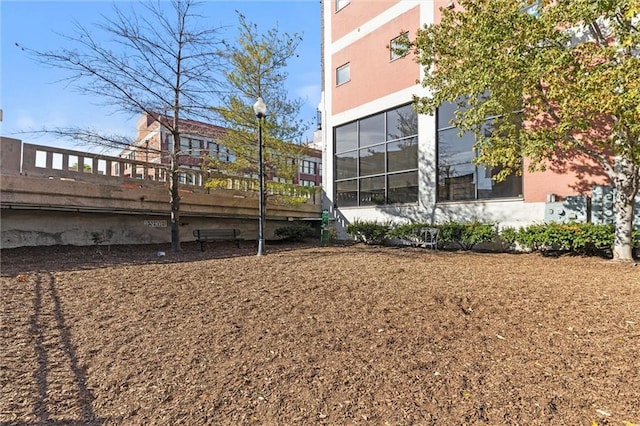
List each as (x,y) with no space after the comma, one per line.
(626,186)
(175,208)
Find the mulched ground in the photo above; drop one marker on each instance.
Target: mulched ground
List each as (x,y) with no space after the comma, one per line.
(334,335)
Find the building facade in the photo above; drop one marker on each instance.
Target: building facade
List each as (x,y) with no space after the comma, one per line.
(384,161)
(199,141)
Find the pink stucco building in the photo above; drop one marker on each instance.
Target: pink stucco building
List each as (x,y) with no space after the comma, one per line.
(384,162)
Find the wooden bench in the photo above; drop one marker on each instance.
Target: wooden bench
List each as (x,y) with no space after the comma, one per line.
(204,236)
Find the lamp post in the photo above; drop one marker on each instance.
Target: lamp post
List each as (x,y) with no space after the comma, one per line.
(260,109)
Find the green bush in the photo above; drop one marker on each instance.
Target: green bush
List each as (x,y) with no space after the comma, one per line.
(297,232)
(509,235)
(369,232)
(466,235)
(581,238)
(407,230)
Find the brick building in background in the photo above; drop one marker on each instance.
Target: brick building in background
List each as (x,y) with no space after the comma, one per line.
(200,140)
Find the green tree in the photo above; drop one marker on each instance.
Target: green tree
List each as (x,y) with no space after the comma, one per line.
(258,69)
(570,70)
(160,63)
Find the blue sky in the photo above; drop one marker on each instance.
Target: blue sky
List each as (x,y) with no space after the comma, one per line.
(33,96)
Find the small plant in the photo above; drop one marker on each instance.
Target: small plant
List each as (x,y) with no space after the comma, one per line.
(369,232)
(102,237)
(296,233)
(407,231)
(333,233)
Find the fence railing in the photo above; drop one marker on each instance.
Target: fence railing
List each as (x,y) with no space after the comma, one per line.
(26,159)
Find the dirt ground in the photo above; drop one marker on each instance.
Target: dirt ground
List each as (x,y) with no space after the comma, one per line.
(309,335)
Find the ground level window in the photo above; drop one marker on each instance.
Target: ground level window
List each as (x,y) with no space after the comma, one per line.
(376,159)
(459,179)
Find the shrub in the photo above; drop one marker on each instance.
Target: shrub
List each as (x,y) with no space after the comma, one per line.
(369,232)
(407,230)
(297,232)
(582,238)
(466,235)
(509,235)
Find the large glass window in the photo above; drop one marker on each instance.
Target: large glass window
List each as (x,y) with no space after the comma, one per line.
(459,179)
(376,159)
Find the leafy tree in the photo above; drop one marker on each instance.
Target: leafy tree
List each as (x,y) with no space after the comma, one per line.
(258,69)
(571,71)
(165,65)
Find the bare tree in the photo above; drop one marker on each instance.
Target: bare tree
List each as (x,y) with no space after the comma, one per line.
(158,61)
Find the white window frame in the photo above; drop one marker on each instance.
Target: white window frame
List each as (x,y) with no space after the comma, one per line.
(341,4)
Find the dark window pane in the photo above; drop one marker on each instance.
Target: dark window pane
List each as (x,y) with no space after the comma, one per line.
(346,165)
(488,188)
(402,155)
(456,172)
(347,193)
(447,112)
(372,130)
(346,137)
(402,122)
(403,188)
(372,191)
(372,160)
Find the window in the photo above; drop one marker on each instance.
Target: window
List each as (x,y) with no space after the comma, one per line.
(341,3)
(343,74)
(221,153)
(398,43)
(376,159)
(307,167)
(459,179)
(532,7)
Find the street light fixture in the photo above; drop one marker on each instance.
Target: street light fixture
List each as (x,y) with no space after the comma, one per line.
(260,109)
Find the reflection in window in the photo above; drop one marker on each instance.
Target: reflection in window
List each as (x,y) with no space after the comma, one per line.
(347,193)
(376,159)
(402,154)
(372,160)
(347,137)
(347,165)
(403,188)
(459,179)
(372,191)
(402,122)
(371,130)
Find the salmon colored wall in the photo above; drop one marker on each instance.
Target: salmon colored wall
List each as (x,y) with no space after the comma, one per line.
(373,74)
(437,4)
(574,176)
(356,13)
